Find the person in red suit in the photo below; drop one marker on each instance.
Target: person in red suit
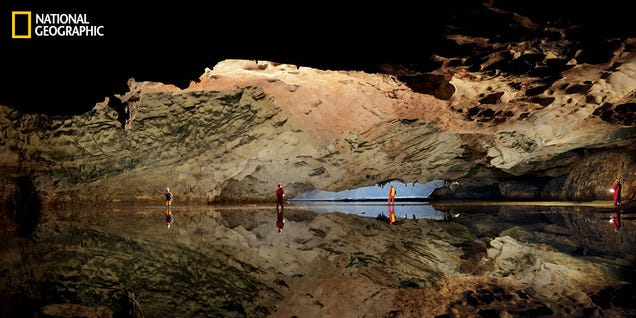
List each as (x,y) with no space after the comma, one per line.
(616,221)
(617,192)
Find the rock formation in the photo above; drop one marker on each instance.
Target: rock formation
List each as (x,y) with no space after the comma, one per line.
(245,126)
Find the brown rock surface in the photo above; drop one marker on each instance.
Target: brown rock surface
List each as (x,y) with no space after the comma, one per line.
(245,126)
(230,261)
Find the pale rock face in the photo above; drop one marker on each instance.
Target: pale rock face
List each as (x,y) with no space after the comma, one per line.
(538,268)
(247,125)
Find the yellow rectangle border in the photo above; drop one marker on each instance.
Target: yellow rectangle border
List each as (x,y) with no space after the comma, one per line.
(21,36)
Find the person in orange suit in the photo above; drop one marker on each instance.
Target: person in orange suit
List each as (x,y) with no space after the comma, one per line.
(391,204)
(169,197)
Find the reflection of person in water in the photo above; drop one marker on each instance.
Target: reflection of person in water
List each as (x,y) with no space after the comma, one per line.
(450,215)
(169,217)
(280,222)
(617,192)
(280,201)
(391,204)
(615,220)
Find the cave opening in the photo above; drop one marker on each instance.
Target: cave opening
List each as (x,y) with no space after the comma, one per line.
(411,200)
(377,192)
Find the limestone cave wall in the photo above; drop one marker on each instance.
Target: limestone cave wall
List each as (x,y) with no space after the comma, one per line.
(537,115)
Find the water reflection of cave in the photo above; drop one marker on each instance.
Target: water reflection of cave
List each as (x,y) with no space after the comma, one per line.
(576,229)
(372,201)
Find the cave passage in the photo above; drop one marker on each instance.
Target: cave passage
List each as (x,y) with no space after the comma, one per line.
(371,201)
(405,192)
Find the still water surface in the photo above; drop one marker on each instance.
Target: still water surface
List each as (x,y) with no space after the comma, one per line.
(593,228)
(109,238)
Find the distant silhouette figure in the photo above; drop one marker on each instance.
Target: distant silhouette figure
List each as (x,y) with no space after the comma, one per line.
(454,186)
(280,201)
(450,215)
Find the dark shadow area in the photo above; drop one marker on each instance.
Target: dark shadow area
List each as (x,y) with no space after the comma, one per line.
(174,43)
(28,207)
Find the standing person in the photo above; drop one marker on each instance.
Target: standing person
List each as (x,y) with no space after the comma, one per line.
(280,195)
(391,204)
(169,197)
(280,201)
(617,192)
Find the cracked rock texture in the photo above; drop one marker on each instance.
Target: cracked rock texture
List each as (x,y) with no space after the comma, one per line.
(245,126)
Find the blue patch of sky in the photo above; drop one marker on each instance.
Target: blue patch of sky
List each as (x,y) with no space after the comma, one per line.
(403,191)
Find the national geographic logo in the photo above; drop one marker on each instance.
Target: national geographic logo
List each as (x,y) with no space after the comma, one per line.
(21,24)
(24,26)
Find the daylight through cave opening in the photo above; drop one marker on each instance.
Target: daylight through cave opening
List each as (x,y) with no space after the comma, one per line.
(378,192)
